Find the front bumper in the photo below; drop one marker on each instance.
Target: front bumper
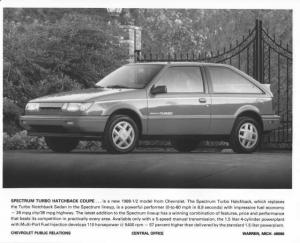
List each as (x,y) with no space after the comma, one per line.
(270,122)
(78,126)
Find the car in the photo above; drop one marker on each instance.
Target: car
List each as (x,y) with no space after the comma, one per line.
(185,102)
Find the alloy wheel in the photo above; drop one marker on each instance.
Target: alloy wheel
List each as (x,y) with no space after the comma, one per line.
(248,135)
(123,135)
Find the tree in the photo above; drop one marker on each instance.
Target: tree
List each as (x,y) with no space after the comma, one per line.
(77,48)
(43,57)
(200,30)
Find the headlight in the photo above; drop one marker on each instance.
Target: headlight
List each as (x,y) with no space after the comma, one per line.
(73,107)
(32,107)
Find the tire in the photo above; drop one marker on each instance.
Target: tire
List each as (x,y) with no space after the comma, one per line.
(246,135)
(184,144)
(61,144)
(121,134)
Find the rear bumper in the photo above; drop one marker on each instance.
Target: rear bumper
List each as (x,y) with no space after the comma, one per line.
(81,126)
(270,122)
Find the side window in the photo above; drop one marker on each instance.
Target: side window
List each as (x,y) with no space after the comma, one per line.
(225,80)
(182,79)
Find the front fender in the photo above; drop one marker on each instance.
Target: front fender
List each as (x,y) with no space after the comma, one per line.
(120,106)
(138,106)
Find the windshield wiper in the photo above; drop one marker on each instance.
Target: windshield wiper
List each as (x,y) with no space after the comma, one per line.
(117,86)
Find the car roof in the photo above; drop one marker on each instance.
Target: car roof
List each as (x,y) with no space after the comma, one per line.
(181,63)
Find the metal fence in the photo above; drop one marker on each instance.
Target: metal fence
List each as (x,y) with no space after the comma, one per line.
(263,57)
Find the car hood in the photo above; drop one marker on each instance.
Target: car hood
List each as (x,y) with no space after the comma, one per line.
(80,95)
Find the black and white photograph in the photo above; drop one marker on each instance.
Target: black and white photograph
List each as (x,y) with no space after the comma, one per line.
(149,121)
(147,98)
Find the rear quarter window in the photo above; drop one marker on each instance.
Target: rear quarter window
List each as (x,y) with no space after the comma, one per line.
(226,80)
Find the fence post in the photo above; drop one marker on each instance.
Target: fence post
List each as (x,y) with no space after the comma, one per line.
(258,61)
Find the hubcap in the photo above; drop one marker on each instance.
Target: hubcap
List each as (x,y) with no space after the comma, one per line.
(248,135)
(123,135)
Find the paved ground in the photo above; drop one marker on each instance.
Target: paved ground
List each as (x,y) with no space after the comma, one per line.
(147,170)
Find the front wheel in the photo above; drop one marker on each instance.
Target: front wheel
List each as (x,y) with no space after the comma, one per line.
(246,135)
(184,144)
(61,144)
(121,134)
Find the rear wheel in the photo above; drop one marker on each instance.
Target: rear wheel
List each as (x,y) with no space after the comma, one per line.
(246,135)
(61,144)
(184,144)
(121,134)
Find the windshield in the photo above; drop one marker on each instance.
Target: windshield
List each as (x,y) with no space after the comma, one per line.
(130,76)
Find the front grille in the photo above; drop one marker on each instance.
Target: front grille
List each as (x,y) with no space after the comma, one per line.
(48,129)
(50,109)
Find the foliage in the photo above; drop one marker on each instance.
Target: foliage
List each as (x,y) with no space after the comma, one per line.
(11,113)
(199,30)
(78,49)
(20,140)
(90,145)
(43,57)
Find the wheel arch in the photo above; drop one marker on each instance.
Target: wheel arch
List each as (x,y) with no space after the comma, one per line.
(252,114)
(132,114)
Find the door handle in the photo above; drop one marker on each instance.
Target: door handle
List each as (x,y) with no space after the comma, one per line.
(202,100)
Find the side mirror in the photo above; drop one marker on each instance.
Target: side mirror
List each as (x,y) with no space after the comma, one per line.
(161,89)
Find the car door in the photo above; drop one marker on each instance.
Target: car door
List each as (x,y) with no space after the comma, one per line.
(231,92)
(185,108)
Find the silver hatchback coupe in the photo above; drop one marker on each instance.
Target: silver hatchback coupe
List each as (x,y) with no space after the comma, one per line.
(184,102)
